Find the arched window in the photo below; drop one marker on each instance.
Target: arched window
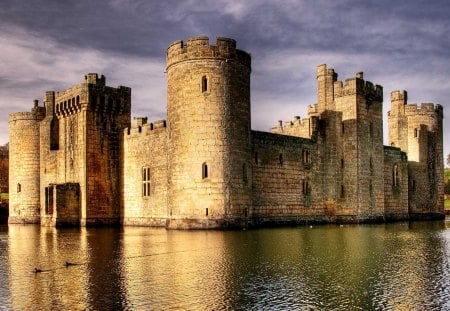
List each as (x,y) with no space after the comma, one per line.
(204,84)
(205,170)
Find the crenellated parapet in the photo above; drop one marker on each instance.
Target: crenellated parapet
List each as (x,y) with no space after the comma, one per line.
(92,94)
(37,113)
(141,127)
(357,86)
(424,109)
(199,48)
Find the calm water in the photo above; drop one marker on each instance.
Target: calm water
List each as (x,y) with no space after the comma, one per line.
(395,266)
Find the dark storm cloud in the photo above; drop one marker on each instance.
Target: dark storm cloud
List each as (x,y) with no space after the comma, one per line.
(399,44)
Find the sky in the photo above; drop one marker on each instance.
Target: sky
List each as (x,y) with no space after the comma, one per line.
(51,44)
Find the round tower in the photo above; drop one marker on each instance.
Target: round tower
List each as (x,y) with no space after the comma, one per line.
(208,111)
(24,205)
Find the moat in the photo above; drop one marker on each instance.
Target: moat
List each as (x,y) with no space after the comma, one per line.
(389,266)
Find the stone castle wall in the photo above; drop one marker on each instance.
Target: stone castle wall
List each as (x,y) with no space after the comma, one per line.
(395,184)
(286,180)
(145,152)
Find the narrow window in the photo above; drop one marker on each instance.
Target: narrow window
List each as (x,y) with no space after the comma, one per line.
(415,132)
(342,163)
(342,128)
(371,164)
(305,187)
(342,191)
(204,84)
(280,159)
(306,156)
(145,181)
(395,175)
(256,158)
(205,170)
(244,173)
(206,212)
(370,188)
(19,187)
(413,185)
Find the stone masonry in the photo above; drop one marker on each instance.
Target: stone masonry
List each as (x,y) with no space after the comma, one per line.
(79,160)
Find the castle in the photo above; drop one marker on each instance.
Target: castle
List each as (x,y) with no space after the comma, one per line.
(79,161)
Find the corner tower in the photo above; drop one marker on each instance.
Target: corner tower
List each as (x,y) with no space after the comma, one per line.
(24,199)
(208,110)
(417,130)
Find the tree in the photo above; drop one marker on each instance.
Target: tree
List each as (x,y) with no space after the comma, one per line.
(448,159)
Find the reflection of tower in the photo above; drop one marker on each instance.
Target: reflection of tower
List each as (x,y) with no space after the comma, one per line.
(208,110)
(417,130)
(24,206)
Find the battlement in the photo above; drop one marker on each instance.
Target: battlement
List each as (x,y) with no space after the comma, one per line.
(357,85)
(74,99)
(429,109)
(37,113)
(140,126)
(92,78)
(199,48)
(399,96)
(323,70)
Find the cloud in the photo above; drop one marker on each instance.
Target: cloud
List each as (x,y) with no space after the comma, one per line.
(32,64)
(398,44)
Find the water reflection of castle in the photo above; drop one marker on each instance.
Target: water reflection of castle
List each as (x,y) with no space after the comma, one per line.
(78,161)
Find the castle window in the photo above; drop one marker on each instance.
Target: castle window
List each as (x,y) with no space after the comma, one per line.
(413,185)
(415,132)
(342,163)
(244,173)
(306,156)
(204,84)
(371,164)
(280,159)
(342,191)
(305,188)
(395,179)
(205,170)
(342,128)
(145,181)
(206,212)
(78,100)
(19,188)
(370,188)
